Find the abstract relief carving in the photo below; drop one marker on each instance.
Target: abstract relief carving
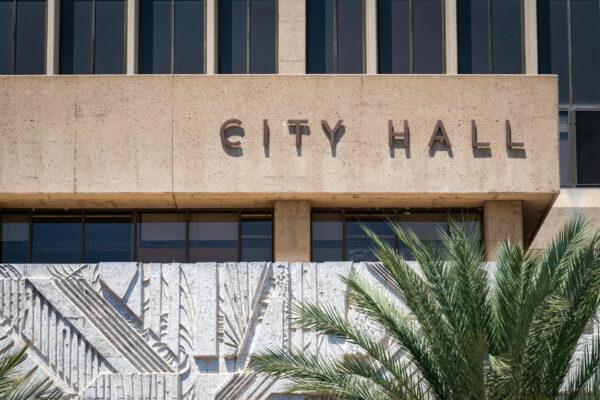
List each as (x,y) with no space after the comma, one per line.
(163,331)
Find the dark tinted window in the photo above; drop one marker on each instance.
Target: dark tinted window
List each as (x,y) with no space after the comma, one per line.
(588,145)
(15,238)
(161,238)
(553,43)
(213,237)
(485,22)
(6,36)
(263,36)
(428,37)
(473,36)
(108,239)
(257,240)
(247,36)
(427,231)
(30,36)
(155,37)
(110,37)
(507,50)
(394,36)
(56,239)
(76,36)
(327,237)
(189,36)
(335,36)
(585,34)
(359,247)
(564,149)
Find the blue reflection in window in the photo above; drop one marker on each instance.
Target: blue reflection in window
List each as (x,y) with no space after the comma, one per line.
(359,247)
(110,37)
(162,238)
(56,240)
(108,240)
(155,37)
(6,37)
(427,231)
(213,237)
(76,36)
(257,240)
(30,55)
(327,237)
(15,239)
(320,36)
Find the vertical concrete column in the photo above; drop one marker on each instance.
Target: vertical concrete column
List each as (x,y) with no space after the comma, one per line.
(451,35)
(530,26)
(292,230)
(211,37)
(292,37)
(133,9)
(371,36)
(503,220)
(52,36)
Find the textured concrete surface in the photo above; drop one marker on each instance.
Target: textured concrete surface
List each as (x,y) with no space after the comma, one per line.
(570,204)
(165,331)
(502,221)
(292,230)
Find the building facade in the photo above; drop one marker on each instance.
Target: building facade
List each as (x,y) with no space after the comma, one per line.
(160,147)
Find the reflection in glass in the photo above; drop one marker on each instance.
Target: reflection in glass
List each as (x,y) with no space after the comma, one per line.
(108,239)
(56,239)
(161,238)
(6,37)
(327,237)
(473,36)
(15,238)
(427,231)
(588,143)
(110,37)
(428,52)
(394,36)
(585,36)
(263,36)
(564,149)
(155,37)
(349,44)
(257,239)
(30,45)
(232,36)
(213,237)
(507,49)
(76,36)
(189,36)
(359,246)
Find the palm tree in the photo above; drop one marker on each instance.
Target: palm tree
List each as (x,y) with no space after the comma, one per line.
(465,330)
(16,384)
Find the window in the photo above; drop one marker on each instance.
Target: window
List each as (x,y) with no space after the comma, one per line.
(490,36)
(108,238)
(214,237)
(247,36)
(339,235)
(564,149)
(558,37)
(257,238)
(22,37)
(588,143)
(335,36)
(171,37)
(410,36)
(92,37)
(162,237)
(56,239)
(15,238)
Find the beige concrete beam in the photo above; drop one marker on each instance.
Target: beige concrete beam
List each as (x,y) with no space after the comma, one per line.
(292,37)
(52,37)
(371,36)
(451,37)
(503,221)
(133,7)
(211,37)
(530,35)
(292,231)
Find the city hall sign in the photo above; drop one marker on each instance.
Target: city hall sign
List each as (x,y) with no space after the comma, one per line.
(396,137)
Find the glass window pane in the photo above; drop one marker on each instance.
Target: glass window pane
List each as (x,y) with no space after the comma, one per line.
(427,32)
(108,239)
(564,149)
(553,43)
(359,246)
(257,240)
(263,36)
(473,37)
(427,231)
(350,41)
(189,36)
(507,53)
(155,37)
(213,237)
(588,143)
(6,37)
(76,37)
(56,239)
(31,37)
(233,36)
(319,36)
(161,238)
(15,238)
(327,236)
(393,40)
(110,37)
(585,41)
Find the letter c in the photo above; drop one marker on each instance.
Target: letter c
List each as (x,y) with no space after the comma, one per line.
(226,125)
